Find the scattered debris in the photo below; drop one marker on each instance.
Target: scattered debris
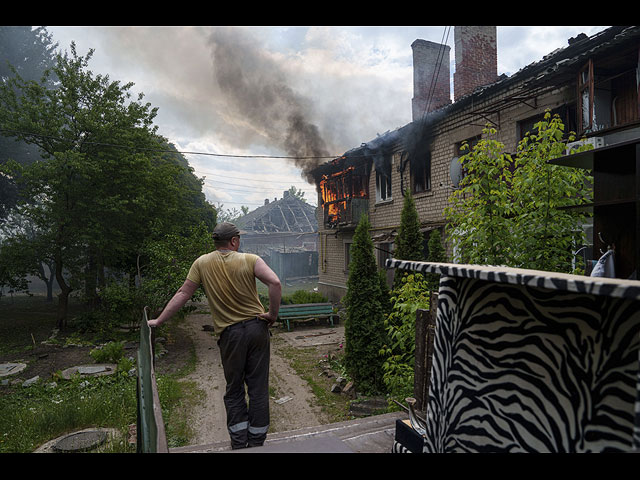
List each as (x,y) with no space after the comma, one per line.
(31,381)
(282,400)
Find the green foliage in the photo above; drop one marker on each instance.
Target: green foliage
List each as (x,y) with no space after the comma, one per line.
(479,212)
(364,325)
(35,415)
(497,217)
(110,352)
(409,242)
(544,231)
(303,296)
(168,262)
(101,191)
(437,254)
(399,352)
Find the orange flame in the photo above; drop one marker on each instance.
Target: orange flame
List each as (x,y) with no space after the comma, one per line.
(337,189)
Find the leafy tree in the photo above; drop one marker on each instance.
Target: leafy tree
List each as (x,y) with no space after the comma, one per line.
(294,192)
(101,190)
(22,254)
(480,208)
(545,232)
(409,242)
(168,262)
(230,214)
(497,217)
(364,325)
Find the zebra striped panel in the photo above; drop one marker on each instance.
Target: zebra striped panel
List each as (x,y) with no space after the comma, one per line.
(530,361)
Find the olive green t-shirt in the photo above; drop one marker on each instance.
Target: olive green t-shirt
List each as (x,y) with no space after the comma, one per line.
(229,282)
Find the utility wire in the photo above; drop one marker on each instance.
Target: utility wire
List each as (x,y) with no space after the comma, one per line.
(434,78)
(250,179)
(155,150)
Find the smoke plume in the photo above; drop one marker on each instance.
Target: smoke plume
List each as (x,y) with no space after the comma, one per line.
(256,89)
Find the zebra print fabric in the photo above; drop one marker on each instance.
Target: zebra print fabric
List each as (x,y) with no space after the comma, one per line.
(532,364)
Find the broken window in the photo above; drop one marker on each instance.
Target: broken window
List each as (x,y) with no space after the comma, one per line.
(383,180)
(420,165)
(567,114)
(347,256)
(607,93)
(344,196)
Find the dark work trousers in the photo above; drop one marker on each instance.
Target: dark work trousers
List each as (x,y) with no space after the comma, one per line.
(245,350)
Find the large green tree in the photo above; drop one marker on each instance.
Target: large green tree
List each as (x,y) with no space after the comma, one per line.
(107,183)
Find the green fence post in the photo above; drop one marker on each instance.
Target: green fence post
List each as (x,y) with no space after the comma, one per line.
(151,436)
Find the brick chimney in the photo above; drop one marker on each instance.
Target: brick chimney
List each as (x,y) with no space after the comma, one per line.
(476,59)
(429,60)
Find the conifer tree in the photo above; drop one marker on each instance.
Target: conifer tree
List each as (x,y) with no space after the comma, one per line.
(364,325)
(409,243)
(436,254)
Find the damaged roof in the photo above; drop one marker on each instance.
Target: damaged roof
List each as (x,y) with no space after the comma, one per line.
(289,214)
(553,69)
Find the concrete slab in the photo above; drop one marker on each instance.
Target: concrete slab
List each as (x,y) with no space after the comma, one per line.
(318,444)
(93,370)
(11,368)
(373,434)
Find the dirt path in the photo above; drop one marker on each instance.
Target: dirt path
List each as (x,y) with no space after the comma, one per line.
(291,402)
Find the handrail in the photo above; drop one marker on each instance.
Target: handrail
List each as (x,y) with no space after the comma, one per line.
(151,437)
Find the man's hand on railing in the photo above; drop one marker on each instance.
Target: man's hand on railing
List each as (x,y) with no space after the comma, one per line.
(153,322)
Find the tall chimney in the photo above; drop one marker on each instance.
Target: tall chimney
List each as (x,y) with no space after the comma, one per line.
(431,88)
(476,59)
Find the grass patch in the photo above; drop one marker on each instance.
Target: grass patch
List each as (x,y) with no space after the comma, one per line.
(34,415)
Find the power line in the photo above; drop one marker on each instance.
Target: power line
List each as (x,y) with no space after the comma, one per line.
(229,155)
(251,179)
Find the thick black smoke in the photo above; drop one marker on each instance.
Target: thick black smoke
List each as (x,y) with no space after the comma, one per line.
(256,90)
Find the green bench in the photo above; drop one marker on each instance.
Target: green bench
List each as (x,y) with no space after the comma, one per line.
(304,312)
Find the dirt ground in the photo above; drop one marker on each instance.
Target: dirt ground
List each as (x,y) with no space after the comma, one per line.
(292,403)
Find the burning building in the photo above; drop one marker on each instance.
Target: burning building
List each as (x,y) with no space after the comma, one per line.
(592,84)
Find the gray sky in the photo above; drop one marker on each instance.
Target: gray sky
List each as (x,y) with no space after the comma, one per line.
(234,90)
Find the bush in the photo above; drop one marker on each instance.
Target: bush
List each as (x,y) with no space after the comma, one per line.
(111,352)
(399,353)
(303,296)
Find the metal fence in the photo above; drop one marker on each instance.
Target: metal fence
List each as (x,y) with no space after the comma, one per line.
(151,436)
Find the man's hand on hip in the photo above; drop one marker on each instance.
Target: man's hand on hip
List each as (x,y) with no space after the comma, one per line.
(271,319)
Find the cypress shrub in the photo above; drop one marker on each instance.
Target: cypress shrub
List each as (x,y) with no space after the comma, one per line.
(364,324)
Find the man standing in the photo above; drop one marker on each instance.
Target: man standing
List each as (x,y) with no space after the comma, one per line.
(229,282)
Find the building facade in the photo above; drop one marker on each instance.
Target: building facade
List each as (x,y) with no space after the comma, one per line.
(592,83)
